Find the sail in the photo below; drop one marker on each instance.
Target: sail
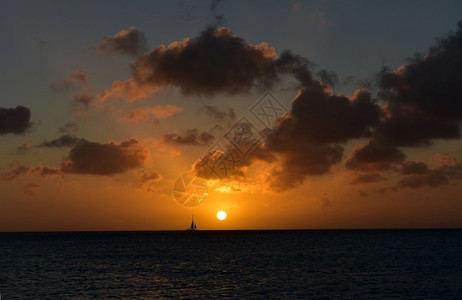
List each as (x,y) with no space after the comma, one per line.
(193,225)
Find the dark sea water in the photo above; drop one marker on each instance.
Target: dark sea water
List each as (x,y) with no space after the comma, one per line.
(386,264)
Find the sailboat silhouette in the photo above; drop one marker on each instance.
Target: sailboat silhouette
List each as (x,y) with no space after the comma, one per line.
(193,225)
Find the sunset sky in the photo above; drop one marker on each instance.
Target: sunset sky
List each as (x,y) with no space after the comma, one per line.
(324,114)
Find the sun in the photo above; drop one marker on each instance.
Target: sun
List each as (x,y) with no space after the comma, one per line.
(221,215)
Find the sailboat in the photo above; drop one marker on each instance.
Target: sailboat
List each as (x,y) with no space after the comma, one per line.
(193,225)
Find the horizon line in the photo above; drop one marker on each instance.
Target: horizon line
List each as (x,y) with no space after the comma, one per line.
(217,230)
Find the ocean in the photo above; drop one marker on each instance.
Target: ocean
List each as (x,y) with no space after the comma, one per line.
(282,264)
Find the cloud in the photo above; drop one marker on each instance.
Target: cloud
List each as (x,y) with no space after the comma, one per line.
(318,116)
(78,78)
(228,163)
(20,170)
(368,178)
(422,104)
(190,137)
(77,82)
(431,178)
(68,128)
(105,159)
(413,167)
(416,104)
(305,141)
(424,96)
(145,113)
(63,141)
(216,61)
(14,120)
(430,82)
(419,175)
(14,172)
(374,156)
(305,159)
(147,179)
(148,176)
(408,126)
(29,188)
(82,99)
(216,114)
(443,159)
(90,158)
(45,171)
(307,138)
(130,42)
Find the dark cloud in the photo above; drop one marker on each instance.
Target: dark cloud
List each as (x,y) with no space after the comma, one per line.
(66,140)
(91,158)
(132,42)
(68,128)
(305,141)
(367,178)
(374,156)
(297,161)
(416,104)
(419,175)
(409,126)
(413,167)
(78,78)
(424,96)
(14,120)
(105,159)
(430,82)
(190,137)
(422,103)
(216,61)
(307,138)
(320,117)
(218,115)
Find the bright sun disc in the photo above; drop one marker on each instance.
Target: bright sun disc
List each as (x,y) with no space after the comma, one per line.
(221,215)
